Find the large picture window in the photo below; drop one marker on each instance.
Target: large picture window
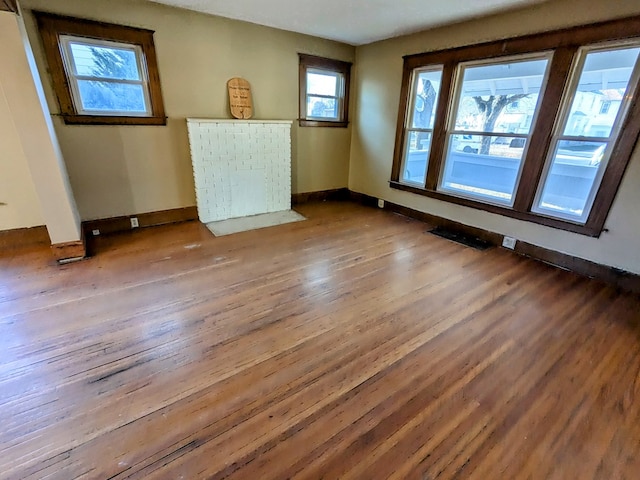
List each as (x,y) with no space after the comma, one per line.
(102,73)
(539,128)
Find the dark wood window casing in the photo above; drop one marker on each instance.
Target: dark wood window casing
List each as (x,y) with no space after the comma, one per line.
(9,6)
(336,66)
(52,26)
(565,45)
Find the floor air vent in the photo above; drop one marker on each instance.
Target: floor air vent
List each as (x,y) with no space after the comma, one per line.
(461,238)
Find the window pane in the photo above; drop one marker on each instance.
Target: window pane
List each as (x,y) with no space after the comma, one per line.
(416,157)
(483,167)
(110,97)
(603,82)
(319,107)
(106,62)
(426,90)
(571,177)
(500,98)
(322,84)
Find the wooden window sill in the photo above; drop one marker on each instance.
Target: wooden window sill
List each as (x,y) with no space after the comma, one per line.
(497,209)
(320,123)
(112,120)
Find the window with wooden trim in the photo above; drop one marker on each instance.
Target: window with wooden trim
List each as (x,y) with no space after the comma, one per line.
(585,131)
(494,109)
(102,73)
(419,132)
(539,128)
(324,92)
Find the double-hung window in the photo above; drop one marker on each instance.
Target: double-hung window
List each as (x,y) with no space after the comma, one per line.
(495,107)
(102,73)
(424,100)
(324,91)
(107,78)
(586,132)
(539,128)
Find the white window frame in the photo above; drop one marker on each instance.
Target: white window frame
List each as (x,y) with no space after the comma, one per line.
(323,66)
(338,96)
(74,77)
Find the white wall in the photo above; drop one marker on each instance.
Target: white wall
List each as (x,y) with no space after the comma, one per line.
(378,83)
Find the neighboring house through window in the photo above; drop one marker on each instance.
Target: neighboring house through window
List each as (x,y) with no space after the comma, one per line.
(324,92)
(538,128)
(102,73)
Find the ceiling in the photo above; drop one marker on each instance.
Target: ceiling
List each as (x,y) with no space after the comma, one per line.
(355,22)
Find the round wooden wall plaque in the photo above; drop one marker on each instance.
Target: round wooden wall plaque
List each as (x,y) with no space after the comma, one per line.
(240,98)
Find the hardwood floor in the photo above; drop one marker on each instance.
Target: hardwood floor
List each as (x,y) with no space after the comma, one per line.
(351,345)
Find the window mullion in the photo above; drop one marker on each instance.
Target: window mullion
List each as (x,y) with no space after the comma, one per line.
(440,127)
(542,131)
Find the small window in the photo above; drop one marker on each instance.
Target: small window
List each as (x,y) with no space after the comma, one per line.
(324,91)
(102,73)
(107,78)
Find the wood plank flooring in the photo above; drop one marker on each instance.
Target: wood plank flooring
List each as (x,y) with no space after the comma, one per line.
(352,345)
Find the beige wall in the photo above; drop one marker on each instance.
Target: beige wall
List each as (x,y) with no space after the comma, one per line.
(378,82)
(119,170)
(33,146)
(19,205)
(126,170)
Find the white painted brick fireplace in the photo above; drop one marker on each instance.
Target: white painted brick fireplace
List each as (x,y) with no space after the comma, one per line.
(240,167)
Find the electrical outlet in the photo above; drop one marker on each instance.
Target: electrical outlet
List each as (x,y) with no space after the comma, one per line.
(134,222)
(509,242)
(95,232)
(380,203)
